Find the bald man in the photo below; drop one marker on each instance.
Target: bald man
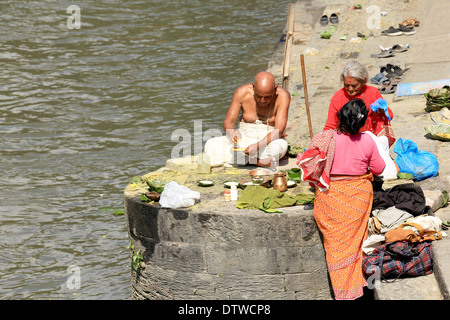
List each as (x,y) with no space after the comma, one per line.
(258,140)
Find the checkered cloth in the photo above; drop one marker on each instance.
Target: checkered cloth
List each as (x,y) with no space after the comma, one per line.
(400,258)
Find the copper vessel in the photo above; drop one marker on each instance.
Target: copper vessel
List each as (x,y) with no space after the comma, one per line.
(280,181)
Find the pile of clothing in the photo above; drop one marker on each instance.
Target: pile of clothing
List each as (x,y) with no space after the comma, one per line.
(402,207)
(401,230)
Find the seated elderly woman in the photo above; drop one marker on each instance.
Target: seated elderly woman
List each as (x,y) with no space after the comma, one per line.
(355,77)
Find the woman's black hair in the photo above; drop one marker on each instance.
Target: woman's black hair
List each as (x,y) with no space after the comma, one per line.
(352,117)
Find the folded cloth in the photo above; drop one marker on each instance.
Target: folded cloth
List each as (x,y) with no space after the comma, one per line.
(391,218)
(407,196)
(316,161)
(372,242)
(257,197)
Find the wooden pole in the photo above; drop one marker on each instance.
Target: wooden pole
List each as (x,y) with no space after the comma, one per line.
(305,89)
(288,45)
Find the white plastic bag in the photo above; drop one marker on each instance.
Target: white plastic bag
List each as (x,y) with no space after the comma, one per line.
(177,196)
(390,171)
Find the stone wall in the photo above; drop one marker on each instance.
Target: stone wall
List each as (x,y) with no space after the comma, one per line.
(216,251)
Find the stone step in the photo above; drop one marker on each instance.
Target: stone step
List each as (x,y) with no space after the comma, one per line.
(418,288)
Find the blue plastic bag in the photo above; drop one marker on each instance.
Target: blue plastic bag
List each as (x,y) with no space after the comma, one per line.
(421,164)
(381,104)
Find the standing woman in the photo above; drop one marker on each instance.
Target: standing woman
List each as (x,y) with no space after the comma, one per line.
(354,77)
(341,165)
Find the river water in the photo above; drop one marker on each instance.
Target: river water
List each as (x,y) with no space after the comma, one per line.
(84,110)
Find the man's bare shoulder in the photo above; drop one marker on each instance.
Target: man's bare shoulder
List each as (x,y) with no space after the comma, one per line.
(283,95)
(244,89)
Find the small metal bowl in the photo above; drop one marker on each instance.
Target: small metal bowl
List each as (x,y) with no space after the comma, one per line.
(265,175)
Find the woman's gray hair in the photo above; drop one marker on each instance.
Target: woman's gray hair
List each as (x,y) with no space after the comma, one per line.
(355,70)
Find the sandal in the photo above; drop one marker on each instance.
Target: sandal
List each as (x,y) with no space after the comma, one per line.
(387,88)
(410,22)
(379,79)
(406,30)
(395,70)
(400,48)
(392,32)
(391,71)
(394,80)
(383,54)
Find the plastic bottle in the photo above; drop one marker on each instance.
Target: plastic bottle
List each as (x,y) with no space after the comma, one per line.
(227,195)
(234,193)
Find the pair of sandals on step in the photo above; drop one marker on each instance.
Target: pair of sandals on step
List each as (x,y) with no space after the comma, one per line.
(388,78)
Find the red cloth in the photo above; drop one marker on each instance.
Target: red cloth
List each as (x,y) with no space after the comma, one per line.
(316,162)
(376,123)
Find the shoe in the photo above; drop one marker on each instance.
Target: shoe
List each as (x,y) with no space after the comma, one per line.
(392,32)
(406,30)
(324,20)
(334,18)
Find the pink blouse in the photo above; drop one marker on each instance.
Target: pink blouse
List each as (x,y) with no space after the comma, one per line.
(355,154)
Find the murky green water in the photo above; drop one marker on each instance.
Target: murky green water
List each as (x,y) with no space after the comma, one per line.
(82,111)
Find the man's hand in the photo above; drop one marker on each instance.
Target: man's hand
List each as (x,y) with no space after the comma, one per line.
(252,150)
(234,136)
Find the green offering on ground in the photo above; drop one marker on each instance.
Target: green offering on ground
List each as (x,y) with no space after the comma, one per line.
(328,33)
(294,174)
(156,185)
(438,98)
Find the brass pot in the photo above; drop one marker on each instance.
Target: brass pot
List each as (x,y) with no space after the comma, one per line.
(280,181)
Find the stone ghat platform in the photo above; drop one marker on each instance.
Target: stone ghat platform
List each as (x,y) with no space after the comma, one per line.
(214,250)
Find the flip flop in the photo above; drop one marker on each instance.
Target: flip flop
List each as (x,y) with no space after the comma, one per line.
(387,88)
(324,20)
(383,54)
(392,32)
(334,19)
(399,48)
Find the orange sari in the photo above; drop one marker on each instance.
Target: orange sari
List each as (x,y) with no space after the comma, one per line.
(342,213)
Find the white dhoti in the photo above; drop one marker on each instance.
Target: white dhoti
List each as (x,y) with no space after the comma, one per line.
(220,149)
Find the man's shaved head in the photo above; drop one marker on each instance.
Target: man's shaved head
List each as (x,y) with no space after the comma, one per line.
(264,81)
(264,88)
